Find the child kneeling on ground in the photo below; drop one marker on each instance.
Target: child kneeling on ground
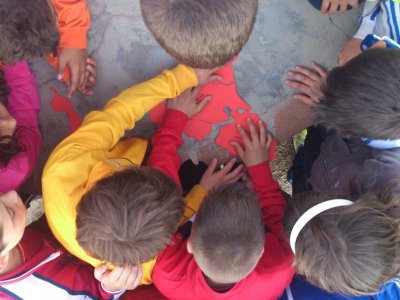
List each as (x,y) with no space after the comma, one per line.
(345,247)
(236,249)
(99,203)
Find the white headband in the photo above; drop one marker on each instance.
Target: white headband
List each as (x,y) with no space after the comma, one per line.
(311,213)
(381,144)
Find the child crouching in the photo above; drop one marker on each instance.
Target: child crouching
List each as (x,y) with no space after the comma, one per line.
(345,247)
(236,250)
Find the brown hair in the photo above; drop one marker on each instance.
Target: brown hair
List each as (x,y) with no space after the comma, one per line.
(9,147)
(361,98)
(27,29)
(128,217)
(3,87)
(228,233)
(203,34)
(352,250)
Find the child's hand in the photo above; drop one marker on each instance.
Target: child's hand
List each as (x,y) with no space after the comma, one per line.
(120,278)
(309,82)
(212,180)
(349,51)
(187,102)
(85,88)
(333,6)
(76,59)
(206,76)
(255,146)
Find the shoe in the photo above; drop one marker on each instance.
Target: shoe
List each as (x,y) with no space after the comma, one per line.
(298,139)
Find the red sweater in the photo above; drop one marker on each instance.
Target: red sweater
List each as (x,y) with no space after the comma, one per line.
(48,273)
(177,276)
(166,143)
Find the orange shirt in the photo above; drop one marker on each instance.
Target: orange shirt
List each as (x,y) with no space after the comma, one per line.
(73,22)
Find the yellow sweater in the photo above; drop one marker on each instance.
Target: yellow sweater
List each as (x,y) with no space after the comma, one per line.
(95,151)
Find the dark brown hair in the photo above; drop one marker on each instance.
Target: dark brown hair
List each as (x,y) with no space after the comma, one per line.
(3,87)
(27,30)
(361,98)
(203,34)
(352,250)
(128,217)
(228,233)
(9,147)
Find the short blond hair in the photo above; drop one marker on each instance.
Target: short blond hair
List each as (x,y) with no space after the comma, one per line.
(228,233)
(352,250)
(203,34)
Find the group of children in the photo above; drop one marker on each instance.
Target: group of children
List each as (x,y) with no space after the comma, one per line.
(120,226)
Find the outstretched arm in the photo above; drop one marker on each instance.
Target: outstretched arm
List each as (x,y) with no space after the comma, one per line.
(168,139)
(367,24)
(24,107)
(103,129)
(254,154)
(73,19)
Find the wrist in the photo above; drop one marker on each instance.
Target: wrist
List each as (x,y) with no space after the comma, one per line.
(111,290)
(177,112)
(255,163)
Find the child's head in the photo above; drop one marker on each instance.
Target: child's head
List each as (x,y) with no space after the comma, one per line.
(203,34)
(352,249)
(361,98)
(12,226)
(128,217)
(27,29)
(227,238)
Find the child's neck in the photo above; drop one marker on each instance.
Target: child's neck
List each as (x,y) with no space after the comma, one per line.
(14,261)
(218,287)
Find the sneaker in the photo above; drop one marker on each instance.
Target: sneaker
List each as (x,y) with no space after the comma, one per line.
(298,139)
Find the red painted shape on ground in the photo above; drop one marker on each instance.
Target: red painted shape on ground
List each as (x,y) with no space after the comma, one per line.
(198,129)
(224,95)
(62,104)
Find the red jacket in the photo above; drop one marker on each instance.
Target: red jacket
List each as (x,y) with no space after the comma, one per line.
(166,143)
(48,273)
(177,276)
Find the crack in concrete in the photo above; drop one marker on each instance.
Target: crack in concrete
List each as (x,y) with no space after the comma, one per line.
(340,29)
(104,30)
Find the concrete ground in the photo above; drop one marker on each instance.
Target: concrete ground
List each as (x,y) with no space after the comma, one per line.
(286,33)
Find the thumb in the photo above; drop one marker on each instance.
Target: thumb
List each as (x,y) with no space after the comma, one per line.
(99,271)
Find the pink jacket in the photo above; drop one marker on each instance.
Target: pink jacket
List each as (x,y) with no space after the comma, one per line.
(24,106)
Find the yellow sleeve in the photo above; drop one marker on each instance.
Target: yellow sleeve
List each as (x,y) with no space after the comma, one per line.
(74,160)
(193,201)
(103,129)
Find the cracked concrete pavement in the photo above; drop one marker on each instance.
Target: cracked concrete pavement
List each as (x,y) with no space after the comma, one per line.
(284,35)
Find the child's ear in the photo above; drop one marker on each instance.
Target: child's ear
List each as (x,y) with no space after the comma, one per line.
(189,247)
